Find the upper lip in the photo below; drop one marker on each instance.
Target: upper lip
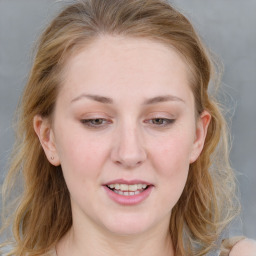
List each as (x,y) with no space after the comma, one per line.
(128,182)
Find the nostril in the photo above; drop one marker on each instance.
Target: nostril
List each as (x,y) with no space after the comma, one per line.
(128,164)
(128,156)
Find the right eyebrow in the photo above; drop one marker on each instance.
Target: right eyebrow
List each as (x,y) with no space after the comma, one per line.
(97,98)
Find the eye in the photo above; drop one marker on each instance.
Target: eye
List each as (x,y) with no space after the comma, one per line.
(95,122)
(162,122)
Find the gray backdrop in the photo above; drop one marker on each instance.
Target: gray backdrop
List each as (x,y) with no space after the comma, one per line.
(228,28)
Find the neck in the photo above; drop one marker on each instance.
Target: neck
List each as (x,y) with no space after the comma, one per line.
(97,242)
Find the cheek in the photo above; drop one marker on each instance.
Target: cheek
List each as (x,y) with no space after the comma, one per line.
(81,161)
(172,164)
(172,155)
(81,155)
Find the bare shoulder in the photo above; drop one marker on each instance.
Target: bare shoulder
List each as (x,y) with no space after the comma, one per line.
(245,247)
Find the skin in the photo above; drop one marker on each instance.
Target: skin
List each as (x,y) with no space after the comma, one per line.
(134,137)
(246,247)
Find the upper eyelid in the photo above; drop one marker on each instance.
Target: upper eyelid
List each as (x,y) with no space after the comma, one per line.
(161,114)
(88,123)
(106,121)
(111,115)
(108,118)
(93,119)
(166,119)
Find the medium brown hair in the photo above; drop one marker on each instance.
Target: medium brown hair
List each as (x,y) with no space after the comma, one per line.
(42,214)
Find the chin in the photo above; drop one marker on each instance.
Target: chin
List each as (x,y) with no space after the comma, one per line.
(129,225)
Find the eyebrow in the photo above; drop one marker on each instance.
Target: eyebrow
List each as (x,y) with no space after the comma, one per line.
(106,100)
(97,98)
(163,98)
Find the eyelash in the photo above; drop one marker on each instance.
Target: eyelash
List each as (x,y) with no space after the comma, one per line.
(165,122)
(89,122)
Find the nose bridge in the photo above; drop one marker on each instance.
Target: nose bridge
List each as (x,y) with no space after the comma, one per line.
(129,149)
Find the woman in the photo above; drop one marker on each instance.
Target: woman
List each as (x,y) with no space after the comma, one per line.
(120,146)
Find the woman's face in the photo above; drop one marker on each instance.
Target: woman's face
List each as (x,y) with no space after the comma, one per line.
(125,133)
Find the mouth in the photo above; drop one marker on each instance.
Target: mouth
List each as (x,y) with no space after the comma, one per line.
(127,190)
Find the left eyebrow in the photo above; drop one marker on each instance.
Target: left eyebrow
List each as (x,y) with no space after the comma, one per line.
(163,98)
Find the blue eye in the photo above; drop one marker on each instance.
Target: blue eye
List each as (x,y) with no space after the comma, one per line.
(95,123)
(161,121)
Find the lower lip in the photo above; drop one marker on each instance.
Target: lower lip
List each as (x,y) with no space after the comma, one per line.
(128,200)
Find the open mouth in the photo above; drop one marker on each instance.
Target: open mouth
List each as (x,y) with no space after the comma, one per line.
(128,190)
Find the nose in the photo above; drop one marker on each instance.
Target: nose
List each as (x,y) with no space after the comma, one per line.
(129,149)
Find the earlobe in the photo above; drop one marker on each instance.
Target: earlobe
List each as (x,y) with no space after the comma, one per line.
(200,135)
(45,134)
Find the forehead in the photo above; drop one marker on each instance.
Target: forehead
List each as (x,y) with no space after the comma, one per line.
(114,64)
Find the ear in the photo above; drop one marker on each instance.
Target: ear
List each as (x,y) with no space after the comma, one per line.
(200,135)
(45,134)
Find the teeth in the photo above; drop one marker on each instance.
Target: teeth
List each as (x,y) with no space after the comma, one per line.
(127,188)
(139,186)
(123,187)
(133,187)
(127,193)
